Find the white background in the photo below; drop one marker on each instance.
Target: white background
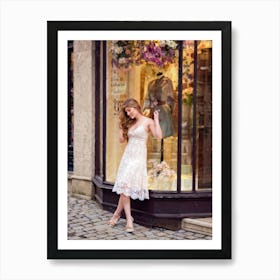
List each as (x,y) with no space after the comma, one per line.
(255,139)
(63,242)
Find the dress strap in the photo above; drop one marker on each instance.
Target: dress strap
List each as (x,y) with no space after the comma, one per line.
(143,122)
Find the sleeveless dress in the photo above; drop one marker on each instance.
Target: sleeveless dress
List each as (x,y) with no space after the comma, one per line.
(132,179)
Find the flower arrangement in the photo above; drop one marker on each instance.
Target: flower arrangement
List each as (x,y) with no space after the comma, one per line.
(128,53)
(159,53)
(188,71)
(160,170)
(188,96)
(125,53)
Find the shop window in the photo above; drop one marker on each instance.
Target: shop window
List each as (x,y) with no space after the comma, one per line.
(177,76)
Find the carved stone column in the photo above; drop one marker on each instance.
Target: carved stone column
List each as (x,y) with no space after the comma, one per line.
(84,85)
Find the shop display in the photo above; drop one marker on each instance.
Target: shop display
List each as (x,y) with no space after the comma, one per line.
(161,176)
(148,72)
(160,97)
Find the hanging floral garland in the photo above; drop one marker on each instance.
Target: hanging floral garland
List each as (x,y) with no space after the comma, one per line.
(159,53)
(128,53)
(188,69)
(125,53)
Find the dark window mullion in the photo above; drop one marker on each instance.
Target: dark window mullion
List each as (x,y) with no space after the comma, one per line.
(179,150)
(194,117)
(104,108)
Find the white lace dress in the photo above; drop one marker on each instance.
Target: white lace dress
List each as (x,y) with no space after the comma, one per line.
(132,179)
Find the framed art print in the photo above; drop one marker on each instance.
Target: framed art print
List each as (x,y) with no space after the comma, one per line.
(177,187)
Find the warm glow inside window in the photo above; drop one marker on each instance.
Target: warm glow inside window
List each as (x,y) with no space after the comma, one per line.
(148,71)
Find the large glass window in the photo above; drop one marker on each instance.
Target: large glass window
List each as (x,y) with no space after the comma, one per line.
(204,115)
(149,71)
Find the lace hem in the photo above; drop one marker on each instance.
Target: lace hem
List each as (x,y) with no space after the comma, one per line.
(134,193)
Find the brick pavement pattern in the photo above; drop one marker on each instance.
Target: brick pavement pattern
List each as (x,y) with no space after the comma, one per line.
(87,221)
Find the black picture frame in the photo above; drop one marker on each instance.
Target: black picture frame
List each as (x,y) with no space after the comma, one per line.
(53,27)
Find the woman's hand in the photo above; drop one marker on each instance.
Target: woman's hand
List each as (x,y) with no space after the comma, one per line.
(121,137)
(156,115)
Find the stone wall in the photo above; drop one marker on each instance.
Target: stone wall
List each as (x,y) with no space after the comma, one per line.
(80,180)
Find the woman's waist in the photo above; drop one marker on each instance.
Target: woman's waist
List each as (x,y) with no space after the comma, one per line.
(137,140)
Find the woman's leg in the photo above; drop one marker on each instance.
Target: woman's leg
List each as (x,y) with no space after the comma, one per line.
(127,210)
(119,207)
(117,213)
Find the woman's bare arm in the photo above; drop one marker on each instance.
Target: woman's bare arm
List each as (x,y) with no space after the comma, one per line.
(155,127)
(121,137)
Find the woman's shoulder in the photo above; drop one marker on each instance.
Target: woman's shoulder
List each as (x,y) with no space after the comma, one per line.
(147,123)
(147,120)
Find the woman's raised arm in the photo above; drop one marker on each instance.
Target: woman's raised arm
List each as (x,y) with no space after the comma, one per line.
(155,127)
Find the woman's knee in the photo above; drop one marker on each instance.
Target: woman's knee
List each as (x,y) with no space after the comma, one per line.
(126,197)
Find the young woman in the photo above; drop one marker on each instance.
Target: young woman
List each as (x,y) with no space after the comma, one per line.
(132,180)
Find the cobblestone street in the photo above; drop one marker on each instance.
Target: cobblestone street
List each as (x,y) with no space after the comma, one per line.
(86,220)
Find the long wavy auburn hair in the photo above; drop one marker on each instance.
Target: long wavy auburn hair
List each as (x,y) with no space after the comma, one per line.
(125,121)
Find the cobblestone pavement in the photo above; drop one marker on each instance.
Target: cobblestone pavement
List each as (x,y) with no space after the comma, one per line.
(86,220)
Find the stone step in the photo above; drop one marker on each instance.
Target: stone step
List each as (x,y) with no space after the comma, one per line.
(198,225)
